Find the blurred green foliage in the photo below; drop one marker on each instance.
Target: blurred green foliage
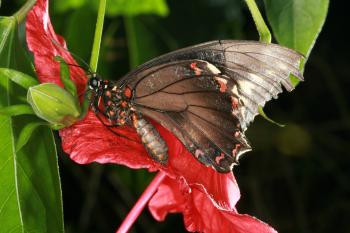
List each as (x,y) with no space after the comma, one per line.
(117,7)
(296,178)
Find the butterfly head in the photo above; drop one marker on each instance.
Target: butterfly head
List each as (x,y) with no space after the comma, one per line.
(95,82)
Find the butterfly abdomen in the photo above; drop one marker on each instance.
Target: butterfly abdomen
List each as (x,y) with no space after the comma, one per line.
(153,142)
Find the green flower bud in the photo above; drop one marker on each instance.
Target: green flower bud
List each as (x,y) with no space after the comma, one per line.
(54,104)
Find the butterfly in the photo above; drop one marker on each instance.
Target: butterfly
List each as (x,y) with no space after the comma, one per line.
(206,95)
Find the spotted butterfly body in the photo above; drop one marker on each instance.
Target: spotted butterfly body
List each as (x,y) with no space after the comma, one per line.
(206,95)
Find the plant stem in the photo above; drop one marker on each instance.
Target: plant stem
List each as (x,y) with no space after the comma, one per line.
(22,12)
(263,30)
(264,36)
(263,114)
(98,35)
(141,202)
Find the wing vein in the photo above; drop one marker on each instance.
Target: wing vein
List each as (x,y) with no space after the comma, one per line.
(176,82)
(190,92)
(215,126)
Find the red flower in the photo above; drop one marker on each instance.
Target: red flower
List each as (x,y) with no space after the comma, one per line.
(89,141)
(200,215)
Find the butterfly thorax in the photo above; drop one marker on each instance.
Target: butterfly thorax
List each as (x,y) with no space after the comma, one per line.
(112,101)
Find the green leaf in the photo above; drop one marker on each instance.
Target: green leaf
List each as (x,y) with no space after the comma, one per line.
(22,12)
(30,193)
(118,7)
(7,31)
(297,23)
(65,77)
(26,133)
(16,110)
(20,78)
(63,6)
(136,7)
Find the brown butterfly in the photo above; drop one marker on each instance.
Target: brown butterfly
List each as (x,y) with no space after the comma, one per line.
(206,95)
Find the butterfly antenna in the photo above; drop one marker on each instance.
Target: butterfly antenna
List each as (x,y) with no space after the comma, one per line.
(87,66)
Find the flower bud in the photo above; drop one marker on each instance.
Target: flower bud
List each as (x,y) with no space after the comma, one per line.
(53,104)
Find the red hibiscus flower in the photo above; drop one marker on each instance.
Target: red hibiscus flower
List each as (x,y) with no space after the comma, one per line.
(206,198)
(200,215)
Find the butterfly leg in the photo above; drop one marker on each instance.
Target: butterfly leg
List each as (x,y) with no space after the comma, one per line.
(153,142)
(108,126)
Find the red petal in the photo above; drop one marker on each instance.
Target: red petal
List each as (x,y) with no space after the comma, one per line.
(88,140)
(43,42)
(221,187)
(167,199)
(200,215)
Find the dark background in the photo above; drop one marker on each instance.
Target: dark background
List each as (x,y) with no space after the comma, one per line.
(297,177)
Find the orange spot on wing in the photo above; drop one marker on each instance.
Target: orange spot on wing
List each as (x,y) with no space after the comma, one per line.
(235,150)
(222,84)
(234,102)
(194,67)
(198,153)
(219,158)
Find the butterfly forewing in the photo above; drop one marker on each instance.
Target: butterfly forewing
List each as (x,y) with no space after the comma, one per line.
(208,94)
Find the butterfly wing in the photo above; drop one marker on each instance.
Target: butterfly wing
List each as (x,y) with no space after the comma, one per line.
(208,94)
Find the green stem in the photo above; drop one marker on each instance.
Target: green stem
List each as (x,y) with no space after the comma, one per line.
(263,30)
(22,12)
(263,114)
(98,35)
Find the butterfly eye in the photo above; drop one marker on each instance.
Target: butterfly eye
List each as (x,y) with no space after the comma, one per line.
(94,83)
